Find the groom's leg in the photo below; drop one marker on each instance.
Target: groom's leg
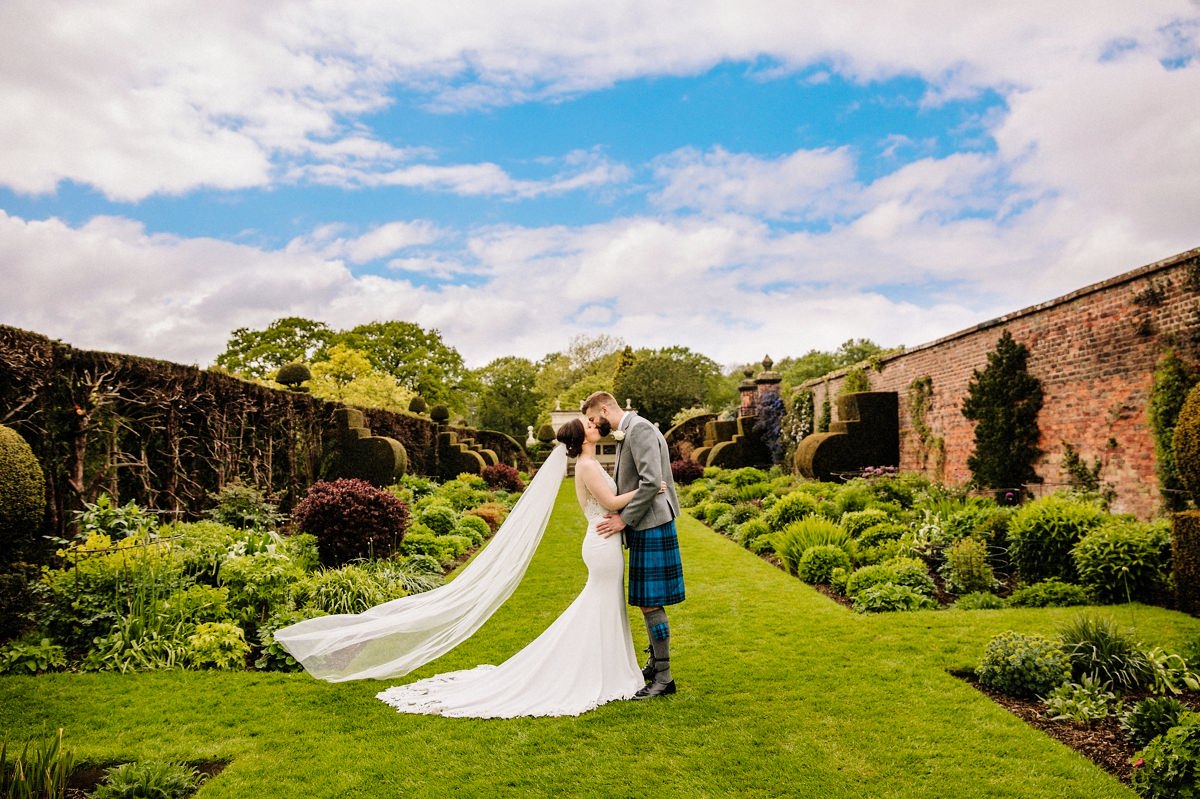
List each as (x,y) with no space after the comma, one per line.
(659,632)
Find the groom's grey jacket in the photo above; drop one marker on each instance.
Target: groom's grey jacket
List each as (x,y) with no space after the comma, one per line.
(643,462)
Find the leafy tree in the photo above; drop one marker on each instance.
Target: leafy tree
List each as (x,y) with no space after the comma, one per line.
(1004,401)
(259,353)
(814,363)
(662,382)
(588,365)
(508,401)
(417,358)
(348,376)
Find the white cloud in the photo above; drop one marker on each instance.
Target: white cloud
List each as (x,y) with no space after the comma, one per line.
(795,186)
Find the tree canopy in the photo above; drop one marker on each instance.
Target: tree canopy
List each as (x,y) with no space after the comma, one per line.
(260,353)
(662,382)
(508,401)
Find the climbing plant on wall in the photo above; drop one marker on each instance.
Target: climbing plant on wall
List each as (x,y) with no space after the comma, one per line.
(920,400)
(1004,401)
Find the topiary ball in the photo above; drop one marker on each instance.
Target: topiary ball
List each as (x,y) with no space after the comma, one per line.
(545,434)
(417,405)
(22,491)
(293,374)
(1185,443)
(440,414)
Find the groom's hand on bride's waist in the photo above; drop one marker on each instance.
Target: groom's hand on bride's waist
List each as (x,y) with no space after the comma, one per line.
(611,525)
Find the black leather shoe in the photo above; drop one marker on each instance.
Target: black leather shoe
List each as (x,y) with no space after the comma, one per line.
(656,689)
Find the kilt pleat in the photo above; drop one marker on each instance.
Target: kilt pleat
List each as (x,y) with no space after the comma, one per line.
(655,569)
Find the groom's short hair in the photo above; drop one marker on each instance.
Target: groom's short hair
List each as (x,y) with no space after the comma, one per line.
(596,399)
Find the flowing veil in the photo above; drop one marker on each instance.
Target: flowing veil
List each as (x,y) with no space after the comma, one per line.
(392,639)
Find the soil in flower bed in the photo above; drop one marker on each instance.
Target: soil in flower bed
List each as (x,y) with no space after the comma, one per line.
(85,779)
(1103,741)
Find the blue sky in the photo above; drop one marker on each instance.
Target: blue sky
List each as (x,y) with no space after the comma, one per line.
(774,180)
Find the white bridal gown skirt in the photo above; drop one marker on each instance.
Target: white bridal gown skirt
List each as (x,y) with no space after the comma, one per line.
(583,660)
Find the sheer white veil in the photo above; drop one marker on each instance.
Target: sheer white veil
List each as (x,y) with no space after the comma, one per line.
(392,639)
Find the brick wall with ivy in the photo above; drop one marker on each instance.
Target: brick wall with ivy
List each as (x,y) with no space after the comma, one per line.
(166,435)
(1094,351)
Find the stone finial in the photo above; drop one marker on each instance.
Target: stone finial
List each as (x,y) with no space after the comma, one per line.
(767,363)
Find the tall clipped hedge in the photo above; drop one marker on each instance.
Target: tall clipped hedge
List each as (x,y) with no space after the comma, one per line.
(167,436)
(1185,559)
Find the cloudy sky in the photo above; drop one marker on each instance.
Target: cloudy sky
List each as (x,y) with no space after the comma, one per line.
(738,178)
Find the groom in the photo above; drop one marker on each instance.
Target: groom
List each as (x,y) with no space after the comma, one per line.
(655,570)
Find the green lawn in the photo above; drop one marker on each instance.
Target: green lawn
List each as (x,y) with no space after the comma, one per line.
(782,693)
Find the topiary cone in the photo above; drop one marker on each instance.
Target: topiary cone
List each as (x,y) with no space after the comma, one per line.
(1186,444)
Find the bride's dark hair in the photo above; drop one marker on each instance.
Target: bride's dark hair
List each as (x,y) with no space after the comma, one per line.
(571,434)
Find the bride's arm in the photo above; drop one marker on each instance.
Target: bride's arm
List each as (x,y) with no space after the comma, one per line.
(598,487)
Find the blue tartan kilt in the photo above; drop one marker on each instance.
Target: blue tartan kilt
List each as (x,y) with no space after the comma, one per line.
(655,570)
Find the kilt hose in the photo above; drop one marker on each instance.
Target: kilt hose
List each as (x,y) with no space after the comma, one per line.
(655,570)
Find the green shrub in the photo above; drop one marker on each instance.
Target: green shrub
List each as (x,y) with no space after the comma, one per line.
(745,476)
(245,508)
(420,540)
(258,585)
(748,531)
(966,569)
(715,510)
(1150,717)
(22,494)
(762,545)
(414,574)
(1023,665)
(1125,560)
(471,533)
(149,780)
(888,597)
(798,537)
(697,494)
(853,497)
(441,519)
(218,645)
(351,519)
(464,492)
(877,534)
(1042,534)
(471,522)
(792,508)
(302,549)
(1083,702)
(980,600)
(1169,766)
(883,551)
(909,572)
(202,546)
(457,545)
(1095,647)
(837,579)
(744,512)
(118,522)
(817,563)
(858,521)
(1048,593)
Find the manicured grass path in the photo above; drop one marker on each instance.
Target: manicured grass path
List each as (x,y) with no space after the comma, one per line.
(782,693)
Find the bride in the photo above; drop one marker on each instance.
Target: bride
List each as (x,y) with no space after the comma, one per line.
(583,660)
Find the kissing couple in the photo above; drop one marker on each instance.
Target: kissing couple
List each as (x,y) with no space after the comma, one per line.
(585,658)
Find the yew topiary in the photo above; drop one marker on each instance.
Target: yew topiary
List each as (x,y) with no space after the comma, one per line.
(293,374)
(1185,444)
(417,405)
(22,491)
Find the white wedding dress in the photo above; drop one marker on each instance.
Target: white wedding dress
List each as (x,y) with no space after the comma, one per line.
(583,660)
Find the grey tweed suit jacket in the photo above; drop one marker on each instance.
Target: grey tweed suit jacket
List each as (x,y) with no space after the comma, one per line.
(643,462)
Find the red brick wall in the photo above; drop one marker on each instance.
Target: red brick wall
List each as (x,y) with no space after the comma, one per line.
(1094,351)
